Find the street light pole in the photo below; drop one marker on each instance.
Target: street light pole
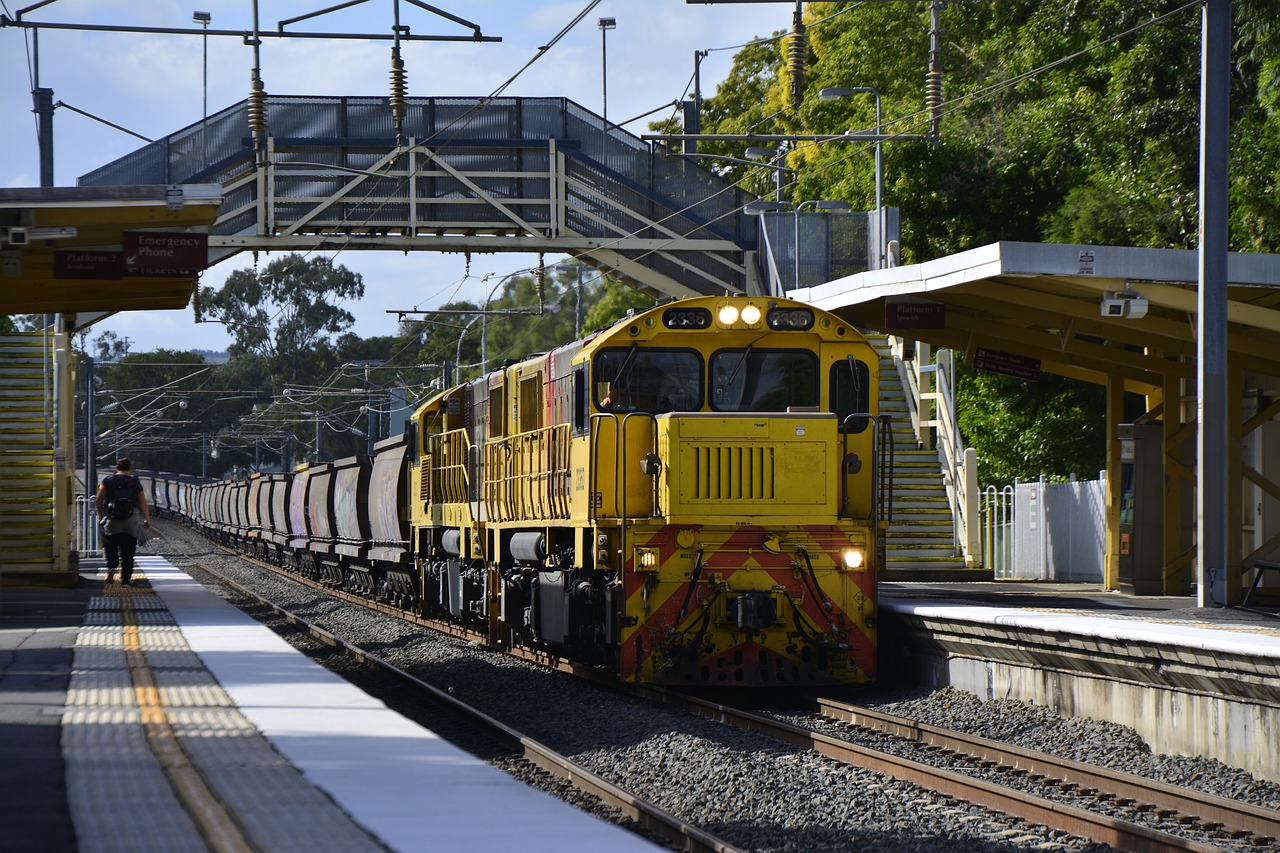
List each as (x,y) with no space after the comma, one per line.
(484,324)
(770,154)
(606,24)
(204,18)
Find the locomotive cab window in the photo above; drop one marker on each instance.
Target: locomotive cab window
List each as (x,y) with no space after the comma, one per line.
(763,380)
(581,413)
(850,381)
(648,380)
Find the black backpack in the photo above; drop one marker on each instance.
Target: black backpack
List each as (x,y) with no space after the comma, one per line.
(119,505)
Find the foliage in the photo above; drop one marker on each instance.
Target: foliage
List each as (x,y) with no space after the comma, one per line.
(155,407)
(1101,148)
(287,309)
(614,302)
(1026,429)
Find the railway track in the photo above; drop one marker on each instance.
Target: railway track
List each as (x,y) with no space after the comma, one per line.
(677,833)
(1138,793)
(1028,806)
(1245,825)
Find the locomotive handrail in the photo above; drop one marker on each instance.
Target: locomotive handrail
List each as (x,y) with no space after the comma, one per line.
(653,433)
(522,473)
(882,459)
(449,453)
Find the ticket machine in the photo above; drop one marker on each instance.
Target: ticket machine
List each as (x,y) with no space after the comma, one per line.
(1141,508)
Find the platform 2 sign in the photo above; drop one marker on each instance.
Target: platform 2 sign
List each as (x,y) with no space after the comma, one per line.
(1007,363)
(88,265)
(174,254)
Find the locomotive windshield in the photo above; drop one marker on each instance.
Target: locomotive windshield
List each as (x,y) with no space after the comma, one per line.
(648,380)
(763,380)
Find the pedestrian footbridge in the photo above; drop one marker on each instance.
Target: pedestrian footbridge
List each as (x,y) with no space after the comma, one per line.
(465,175)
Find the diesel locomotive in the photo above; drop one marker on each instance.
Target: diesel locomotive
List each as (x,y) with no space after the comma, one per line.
(696,496)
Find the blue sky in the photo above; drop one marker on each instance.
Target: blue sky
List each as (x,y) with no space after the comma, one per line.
(152,85)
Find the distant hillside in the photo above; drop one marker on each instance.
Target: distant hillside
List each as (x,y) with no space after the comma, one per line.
(212,356)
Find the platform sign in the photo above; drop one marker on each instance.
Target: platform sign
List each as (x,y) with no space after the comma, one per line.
(1007,363)
(915,315)
(88,264)
(176,254)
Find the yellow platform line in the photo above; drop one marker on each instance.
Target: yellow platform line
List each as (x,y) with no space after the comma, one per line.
(214,821)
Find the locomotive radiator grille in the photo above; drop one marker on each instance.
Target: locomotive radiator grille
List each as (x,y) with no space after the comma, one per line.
(732,473)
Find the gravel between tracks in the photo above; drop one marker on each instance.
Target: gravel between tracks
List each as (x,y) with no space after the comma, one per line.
(747,788)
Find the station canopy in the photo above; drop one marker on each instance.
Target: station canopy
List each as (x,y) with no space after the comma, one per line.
(1087,312)
(89,252)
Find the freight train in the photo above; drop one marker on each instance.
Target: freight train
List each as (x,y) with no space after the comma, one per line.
(696,496)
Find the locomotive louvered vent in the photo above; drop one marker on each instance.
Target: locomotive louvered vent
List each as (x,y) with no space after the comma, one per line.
(734,473)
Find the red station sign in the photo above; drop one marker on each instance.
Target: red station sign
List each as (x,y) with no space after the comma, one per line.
(176,254)
(915,315)
(1007,363)
(88,264)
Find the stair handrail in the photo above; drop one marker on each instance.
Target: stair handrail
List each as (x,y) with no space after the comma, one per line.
(959,464)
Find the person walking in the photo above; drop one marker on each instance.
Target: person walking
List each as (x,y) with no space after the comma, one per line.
(125,519)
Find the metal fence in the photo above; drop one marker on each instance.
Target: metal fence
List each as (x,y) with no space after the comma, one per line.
(1045,531)
(86,524)
(997,531)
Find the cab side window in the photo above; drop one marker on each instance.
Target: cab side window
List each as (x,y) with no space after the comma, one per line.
(850,394)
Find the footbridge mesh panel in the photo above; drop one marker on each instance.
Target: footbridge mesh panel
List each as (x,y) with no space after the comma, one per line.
(336,169)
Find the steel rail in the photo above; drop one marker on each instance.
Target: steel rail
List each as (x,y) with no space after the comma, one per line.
(690,838)
(1079,822)
(1206,808)
(1072,820)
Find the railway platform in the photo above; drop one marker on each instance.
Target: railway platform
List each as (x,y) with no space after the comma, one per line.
(157,717)
(1189,680)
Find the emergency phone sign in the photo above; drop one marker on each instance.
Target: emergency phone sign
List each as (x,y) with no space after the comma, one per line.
(165,253)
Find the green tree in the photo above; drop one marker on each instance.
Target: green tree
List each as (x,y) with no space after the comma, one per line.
(287,309)
(1102,149)
(1025,429)
(613,302)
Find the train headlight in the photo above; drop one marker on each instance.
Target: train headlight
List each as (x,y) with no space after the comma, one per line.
(751,315)
(728,315)
(646,560)
(854,558)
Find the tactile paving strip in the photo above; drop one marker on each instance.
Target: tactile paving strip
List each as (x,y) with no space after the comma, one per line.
(122,798)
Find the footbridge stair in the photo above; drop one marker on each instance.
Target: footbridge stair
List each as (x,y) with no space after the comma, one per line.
(26,462)
(921,542)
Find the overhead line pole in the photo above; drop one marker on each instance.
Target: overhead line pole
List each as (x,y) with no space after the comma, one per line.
(1212,549)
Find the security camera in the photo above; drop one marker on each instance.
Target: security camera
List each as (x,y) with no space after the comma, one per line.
(1124,303)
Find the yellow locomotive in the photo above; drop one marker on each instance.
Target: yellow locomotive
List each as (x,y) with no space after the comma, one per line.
(692,497)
